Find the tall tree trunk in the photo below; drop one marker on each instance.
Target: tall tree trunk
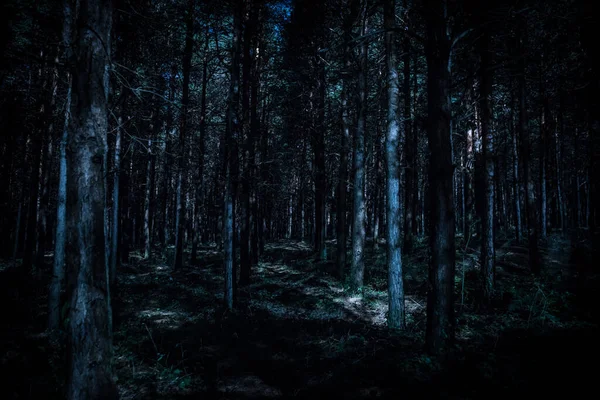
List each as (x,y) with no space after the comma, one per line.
(90,374)
(488,252)
(358,231)
(318,142)
(532,220)
(410,151)
(545,119)
(392,143)
(245,258)
(232,133)
(201,147)
(148,193)
(116,217)
(185,96)
(37,141)
(58,269)
(558,135)
(345,139)
(516,181)
(47,159)
(440,301)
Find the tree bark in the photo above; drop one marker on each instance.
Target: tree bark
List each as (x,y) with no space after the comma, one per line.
(358,231)
(232,133)
(344,146)
(90,374)
(440,301)
(410,152)
(488,252)
(148,193)
(396,318)
(201,147)
(185,96)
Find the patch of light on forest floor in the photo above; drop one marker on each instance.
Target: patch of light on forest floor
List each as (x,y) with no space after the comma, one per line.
(372,310)
(168,319)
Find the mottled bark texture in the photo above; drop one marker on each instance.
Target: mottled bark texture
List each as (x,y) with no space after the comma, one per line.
(392,143)
(357,270)
(90,374)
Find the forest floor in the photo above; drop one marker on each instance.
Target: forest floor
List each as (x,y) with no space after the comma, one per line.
(298,332)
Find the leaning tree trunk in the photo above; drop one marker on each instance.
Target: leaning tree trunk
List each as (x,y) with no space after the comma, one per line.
(90,374)
(440,301)
(392,143)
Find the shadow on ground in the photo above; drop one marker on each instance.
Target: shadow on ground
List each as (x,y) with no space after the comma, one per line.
(298,332)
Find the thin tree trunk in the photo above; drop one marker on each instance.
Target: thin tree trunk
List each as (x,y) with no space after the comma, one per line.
(392,143)
(358,231)
(532,221)
(148,194)
(318,141)
(58,270)
(232,133)
(410,152)
(488,253)
(516,181)
(201,148)
(345,138)
(34,182)
(181,184)
(47,158)
(116,218)
(245,210)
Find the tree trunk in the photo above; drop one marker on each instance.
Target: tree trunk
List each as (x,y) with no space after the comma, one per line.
(318,141)
(410,151)
(180,208)
(37,142)
(532,220)
(516,181)
(90,374)
(116,218)
(201,147)
(248,148)
(440,301)
(58,269)
(345,138)
(148,194)
(358,231)
(232,133)
(488,252)
(392,143)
